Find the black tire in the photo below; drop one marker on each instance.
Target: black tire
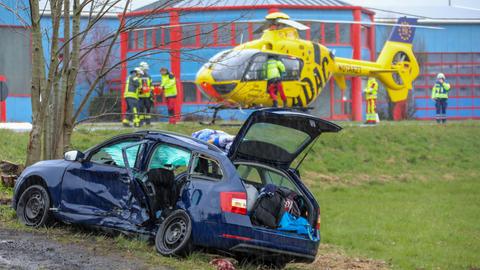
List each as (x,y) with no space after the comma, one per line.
(174,234)
(33,207)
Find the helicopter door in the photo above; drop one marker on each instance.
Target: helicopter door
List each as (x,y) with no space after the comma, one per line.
(256,71)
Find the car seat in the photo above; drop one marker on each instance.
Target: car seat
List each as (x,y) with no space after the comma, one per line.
(163,181)
(252,195)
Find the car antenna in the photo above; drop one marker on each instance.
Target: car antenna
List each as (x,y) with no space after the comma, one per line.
(306,154)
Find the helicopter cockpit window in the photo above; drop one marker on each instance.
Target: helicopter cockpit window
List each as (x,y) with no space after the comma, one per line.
(231,65)
(256,70)
(292,69)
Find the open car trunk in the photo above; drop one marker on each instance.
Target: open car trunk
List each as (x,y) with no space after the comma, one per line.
(277,136)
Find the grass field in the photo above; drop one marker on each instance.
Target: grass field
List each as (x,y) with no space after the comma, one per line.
(407,193)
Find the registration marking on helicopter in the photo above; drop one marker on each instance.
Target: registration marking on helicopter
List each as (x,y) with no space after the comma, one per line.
(350,69)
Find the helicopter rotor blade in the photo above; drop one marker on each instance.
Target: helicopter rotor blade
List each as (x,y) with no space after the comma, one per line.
(375,23)
(260,29)
(294,24)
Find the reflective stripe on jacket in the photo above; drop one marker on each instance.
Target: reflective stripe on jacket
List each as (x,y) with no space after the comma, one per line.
(169,85)
(372,89)
(132,87)
(440,90)
(146,88)
(274,68)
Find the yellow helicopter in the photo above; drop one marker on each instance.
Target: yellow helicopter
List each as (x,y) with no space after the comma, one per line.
(237,76)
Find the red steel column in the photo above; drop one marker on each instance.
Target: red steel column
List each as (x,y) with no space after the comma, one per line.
(357,54)
(373,46)
(175,59)
(123,72)
(3,104)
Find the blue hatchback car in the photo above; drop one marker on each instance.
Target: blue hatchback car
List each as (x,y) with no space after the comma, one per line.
(182,191)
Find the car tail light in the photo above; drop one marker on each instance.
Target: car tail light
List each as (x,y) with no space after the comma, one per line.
(318,221)
(234,202)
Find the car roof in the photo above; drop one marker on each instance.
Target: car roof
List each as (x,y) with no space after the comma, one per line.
(180,140)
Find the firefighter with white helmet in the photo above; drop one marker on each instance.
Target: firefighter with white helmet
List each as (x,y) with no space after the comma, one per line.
(145,101)
(440,96)
(131,97)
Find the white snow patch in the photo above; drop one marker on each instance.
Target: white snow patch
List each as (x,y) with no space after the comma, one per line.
(18,127)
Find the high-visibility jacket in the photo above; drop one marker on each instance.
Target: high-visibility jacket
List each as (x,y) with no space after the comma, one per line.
(372,89)
(440,90)
(132,87)
(169,85)
(146,88)
(273,69)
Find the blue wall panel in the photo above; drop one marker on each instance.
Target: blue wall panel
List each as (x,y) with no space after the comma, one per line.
(21,7)
(19,109)
(453,38)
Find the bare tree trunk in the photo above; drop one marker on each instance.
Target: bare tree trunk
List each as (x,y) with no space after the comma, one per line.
(72,76)
(59,106)
(34,149)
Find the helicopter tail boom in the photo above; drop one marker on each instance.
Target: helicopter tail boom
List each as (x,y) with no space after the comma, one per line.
(396,66)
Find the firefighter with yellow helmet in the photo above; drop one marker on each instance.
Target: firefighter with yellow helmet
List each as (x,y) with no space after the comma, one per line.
(130,94)
(440,96)
(371,96)
(145,96)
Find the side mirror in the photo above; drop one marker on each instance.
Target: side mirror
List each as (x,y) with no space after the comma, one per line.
(74,155)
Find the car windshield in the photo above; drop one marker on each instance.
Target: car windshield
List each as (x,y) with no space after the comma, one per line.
(230,65)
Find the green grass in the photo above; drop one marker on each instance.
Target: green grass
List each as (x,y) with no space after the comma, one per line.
(407,193)
(415,225)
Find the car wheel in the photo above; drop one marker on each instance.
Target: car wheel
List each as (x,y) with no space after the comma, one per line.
(173,235)
(33,207)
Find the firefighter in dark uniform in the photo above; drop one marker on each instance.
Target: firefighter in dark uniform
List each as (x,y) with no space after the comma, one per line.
(145,96)
(131,98)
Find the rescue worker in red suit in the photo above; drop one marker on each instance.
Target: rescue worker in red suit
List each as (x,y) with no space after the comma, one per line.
(273,70)
(169,88)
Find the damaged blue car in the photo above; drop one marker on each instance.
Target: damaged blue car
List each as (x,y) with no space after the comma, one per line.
(181,191)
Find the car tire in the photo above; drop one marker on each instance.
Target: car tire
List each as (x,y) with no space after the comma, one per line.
(174,234)
(33,207)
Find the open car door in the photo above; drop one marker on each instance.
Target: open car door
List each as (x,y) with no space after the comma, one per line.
(277,136)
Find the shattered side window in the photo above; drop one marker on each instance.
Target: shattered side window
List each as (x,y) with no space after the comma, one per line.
(169,157)
(206,167)
(112,154)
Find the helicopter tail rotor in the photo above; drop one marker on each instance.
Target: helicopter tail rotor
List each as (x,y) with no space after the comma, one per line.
(398,57)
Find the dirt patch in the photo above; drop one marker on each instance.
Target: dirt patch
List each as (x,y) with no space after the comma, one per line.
(25,250)
(5,201)
(331,257)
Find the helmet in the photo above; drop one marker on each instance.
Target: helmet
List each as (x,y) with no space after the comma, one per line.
(139,70)
(441,76)
(144,65)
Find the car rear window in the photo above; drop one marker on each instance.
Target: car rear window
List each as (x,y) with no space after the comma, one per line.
(286,138)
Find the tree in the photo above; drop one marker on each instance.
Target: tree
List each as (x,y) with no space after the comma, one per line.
(54,79)
(55,70)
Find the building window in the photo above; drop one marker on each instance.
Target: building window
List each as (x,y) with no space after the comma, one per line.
(189,92)
(316,32)
(463,73)
(330,33)
(223,34)
(241,33)
(365,36)
(344,33)
(131,40)
(189,35)
(149,37)
(256,27)
(206,34)
(140,39)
